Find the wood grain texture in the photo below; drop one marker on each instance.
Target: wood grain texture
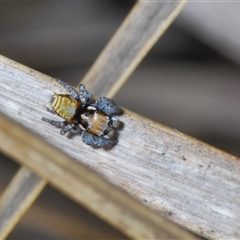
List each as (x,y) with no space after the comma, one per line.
(141,29)
(192,183)
(20,194)
(85,186)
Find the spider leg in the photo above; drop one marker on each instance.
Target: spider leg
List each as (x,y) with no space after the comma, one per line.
(107,106)
(84,96)
(96,141)
(64,125)
(114,122)
(73,93)
(69,127)
(55,123)
(109,133)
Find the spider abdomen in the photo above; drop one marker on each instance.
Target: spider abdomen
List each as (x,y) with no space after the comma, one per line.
(65,106)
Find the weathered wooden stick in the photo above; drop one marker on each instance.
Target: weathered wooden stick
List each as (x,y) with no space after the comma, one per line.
(191,182)
(22,191)
(141,29)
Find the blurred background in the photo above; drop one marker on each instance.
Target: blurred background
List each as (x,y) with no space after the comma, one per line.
(189,81)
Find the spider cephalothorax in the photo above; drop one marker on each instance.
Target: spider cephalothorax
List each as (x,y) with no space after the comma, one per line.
(95,117)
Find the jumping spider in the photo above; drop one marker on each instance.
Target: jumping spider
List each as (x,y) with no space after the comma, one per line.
(95,117)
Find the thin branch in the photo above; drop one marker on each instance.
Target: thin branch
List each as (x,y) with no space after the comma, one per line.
(20,194)
(147,21)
